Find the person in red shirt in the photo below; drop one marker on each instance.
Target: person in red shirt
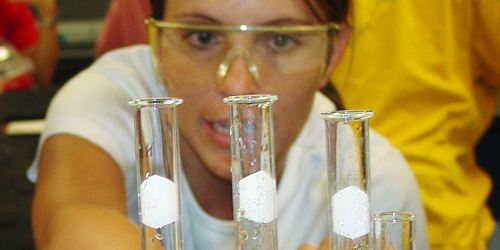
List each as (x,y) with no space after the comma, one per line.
(123,25)
(34,38)
(17,25)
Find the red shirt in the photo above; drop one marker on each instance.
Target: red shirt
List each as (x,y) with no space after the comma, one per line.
(124,25)
(17,24)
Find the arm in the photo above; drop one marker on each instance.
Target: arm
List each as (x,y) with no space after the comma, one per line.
(80,200)
(46,52)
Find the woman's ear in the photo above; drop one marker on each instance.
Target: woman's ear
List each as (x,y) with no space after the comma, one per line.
(340,42)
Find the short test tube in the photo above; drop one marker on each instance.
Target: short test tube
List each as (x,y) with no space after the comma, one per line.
(394,231)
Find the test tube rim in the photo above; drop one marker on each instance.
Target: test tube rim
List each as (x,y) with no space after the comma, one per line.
(347,114)
(157,101)
(394,216)
(249,99)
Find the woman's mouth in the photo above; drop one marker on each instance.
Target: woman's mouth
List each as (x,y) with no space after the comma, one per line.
(219,133)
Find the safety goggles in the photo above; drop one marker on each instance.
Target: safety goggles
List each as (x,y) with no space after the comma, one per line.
(276,56)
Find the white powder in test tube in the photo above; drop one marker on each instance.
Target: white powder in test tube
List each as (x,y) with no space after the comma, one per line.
(257,197)
(351,213)
(159,202)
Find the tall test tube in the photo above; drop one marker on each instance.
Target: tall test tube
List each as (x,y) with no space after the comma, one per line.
(348,178)
(158,163)
(253,171)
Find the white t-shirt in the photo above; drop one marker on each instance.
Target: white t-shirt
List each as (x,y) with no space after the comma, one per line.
(93,105)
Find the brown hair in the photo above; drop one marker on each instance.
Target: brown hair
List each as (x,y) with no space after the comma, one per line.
(337,12)
(337,9)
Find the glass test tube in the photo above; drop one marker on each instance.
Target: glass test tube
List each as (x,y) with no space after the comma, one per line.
(394,231)
(253,171)
(348,178)
(158,163)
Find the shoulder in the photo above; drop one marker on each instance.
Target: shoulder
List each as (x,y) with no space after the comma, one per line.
(130,69)
(385,158)
(94,104)
(137,56)
(111,81)
(390,172)
(394,186)
(313,132)
(387,163)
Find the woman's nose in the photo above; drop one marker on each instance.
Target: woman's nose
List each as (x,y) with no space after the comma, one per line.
(238,75)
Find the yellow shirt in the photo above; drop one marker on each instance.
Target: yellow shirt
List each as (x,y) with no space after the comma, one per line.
(431,72)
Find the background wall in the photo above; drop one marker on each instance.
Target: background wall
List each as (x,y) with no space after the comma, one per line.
(78,27)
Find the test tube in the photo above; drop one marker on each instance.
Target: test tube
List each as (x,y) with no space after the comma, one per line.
(348,178)
(253,171)
(158,163)
(394,231)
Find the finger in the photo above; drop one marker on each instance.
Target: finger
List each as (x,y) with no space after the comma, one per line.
(325,243)
(307,247)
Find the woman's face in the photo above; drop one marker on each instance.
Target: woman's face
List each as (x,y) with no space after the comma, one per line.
(204,117)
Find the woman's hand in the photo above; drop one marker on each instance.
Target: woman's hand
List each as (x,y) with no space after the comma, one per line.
(348,245)
(324,245)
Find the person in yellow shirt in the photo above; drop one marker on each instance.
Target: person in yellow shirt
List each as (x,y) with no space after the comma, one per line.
(431,72)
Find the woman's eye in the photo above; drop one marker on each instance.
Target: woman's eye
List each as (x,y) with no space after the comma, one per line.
(281,42)
(201,38)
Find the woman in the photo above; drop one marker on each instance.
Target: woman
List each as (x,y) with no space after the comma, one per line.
(85,172)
